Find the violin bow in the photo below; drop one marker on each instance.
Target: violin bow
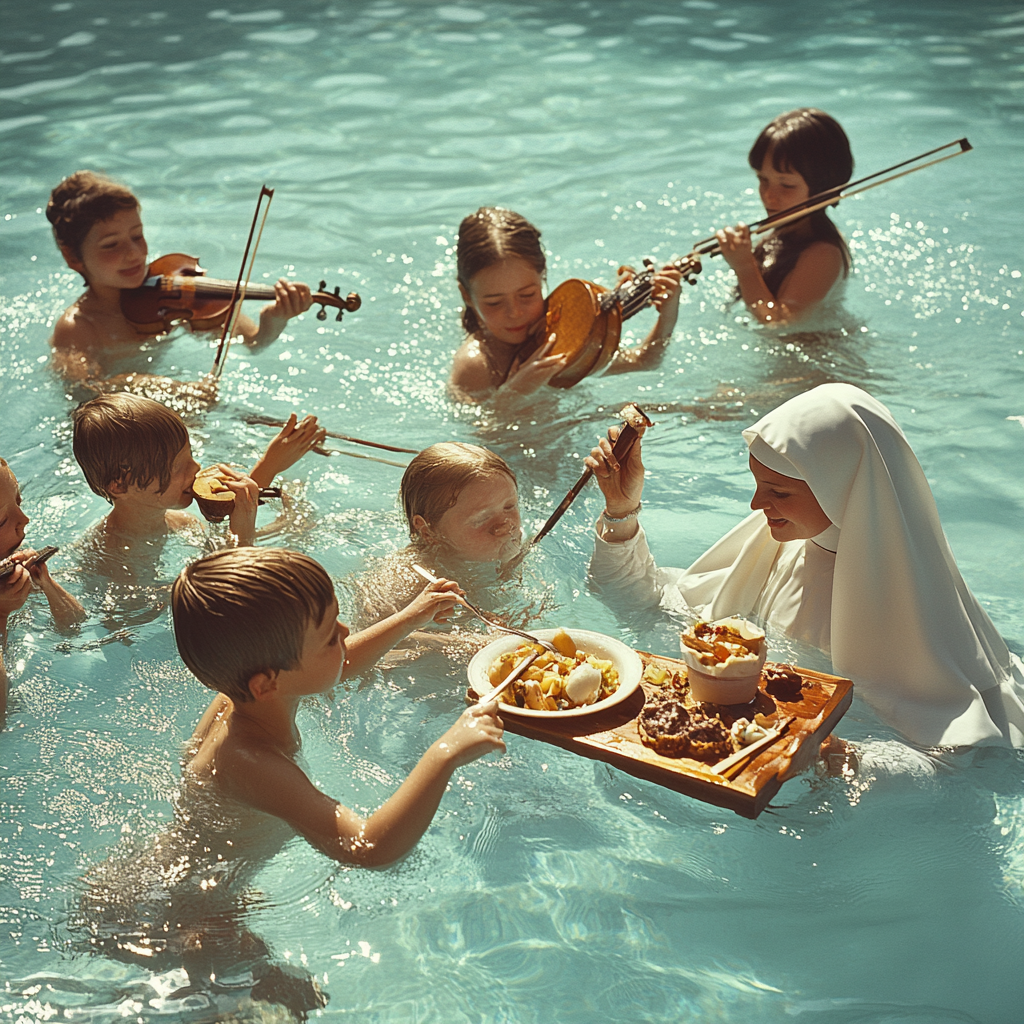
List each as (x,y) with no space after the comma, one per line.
(269,421)
(238,295)
(710,247)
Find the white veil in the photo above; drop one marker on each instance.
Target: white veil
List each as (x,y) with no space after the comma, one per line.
(904,625)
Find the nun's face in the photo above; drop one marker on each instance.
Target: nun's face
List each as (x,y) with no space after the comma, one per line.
(792,511)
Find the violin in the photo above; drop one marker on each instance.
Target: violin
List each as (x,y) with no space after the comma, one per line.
(585,320)
(176,290)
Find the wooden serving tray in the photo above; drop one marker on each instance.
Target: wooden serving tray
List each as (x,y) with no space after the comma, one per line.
(612,736)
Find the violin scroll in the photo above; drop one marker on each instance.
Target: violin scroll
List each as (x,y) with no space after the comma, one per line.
(350,303)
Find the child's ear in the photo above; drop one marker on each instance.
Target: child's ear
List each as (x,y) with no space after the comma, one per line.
(73,261)
(462,289)
(422,527)
(118,487)
(262,685)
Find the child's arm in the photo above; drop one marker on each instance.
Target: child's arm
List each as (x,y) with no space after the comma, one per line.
(816,271)
(293,441)
(66,610)
(648,355)
(369,645)
(273,783)
(293,298)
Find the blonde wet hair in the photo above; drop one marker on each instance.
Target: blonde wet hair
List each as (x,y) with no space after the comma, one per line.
(435,478)
(243,611)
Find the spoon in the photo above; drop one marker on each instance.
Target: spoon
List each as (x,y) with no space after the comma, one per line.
(485,617)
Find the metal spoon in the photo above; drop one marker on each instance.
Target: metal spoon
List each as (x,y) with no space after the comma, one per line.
(484,617)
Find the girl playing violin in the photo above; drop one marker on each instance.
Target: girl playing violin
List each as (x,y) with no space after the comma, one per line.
(98,229)
(501,268)
(798,155)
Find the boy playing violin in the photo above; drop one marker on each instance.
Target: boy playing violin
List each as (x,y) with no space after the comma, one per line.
(98,229)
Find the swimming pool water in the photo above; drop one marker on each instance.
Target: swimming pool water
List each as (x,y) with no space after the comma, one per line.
(549,888)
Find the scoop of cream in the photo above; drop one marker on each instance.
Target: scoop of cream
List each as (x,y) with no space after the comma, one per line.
(582,684)
(745,732)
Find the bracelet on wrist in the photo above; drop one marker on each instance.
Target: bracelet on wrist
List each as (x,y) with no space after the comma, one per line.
(622,519)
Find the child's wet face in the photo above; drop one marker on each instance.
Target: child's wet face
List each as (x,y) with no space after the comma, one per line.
(780,189)
(12,519)
(792,511)
(483,524)
(323,654)
(178,493)
(114,253)
(508,297)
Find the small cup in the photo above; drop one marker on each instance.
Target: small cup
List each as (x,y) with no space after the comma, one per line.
(730,682)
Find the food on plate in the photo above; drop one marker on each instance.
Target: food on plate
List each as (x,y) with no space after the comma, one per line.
(783,682)
(671,729)
(555,682)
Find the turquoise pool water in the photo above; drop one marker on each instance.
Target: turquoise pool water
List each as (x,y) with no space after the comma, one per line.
(549,888)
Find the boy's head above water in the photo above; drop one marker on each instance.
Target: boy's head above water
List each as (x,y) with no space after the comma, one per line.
(464,500)
(243,615)
(98,230)
(127,443)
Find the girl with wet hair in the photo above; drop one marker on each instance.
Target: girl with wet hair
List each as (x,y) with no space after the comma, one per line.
(501,270)
(796,156)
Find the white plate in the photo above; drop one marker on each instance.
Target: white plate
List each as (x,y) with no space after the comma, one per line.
(626,661)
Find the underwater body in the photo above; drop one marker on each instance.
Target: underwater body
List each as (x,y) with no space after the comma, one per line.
(549,887)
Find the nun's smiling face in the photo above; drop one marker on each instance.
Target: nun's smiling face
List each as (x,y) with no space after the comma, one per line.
(792,511)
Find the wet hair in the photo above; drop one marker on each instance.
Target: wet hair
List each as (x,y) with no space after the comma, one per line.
(812,144)
(488,236)
(81,200)
(126,439)
(434,479)
(242,611)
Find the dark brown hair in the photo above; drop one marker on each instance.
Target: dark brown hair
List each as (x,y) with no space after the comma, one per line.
(814,145)
(434,479)
(487,236)
(81,200)
(242,611)
(126,439)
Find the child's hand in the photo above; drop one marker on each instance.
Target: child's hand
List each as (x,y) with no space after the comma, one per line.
(478,731)
(14,590)
(292,298)
(434,604)
(247,497)
(668,283)
(294,440)
(536,371)
(736,249)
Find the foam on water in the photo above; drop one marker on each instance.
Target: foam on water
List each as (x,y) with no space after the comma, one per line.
(549,887)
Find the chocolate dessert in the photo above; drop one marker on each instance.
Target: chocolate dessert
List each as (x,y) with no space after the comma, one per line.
(783,682)
(672,730)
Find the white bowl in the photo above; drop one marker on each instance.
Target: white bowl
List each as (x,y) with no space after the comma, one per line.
(626,661)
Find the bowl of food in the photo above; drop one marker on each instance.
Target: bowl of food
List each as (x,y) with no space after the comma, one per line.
(590,672)
(724,660)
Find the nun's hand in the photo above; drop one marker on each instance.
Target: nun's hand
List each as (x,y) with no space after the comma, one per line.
(621,483)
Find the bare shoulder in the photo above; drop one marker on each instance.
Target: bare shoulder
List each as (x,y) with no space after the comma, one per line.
(74,330)
(177,520)
(825,253)
(471,372)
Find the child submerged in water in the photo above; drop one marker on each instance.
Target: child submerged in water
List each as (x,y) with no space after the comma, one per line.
(796,156)
(261,627)
(18,584)
(98,228)
(461,505)
(501,268)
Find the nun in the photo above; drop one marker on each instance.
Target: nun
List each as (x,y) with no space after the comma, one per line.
(844,550)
